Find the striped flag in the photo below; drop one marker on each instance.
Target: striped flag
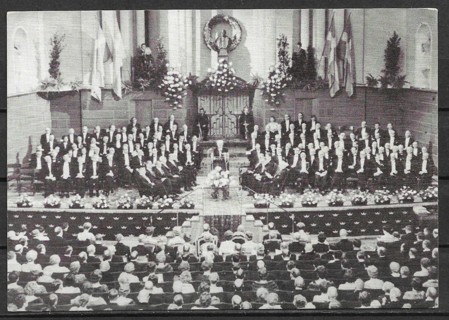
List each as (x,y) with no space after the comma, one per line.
(115,45)
(347,46)
(330,51)
(97,75)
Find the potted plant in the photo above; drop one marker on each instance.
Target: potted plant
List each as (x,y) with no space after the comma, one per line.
(382,197)
(406,195)
(52,202)
(359,199)
(101,203)
(165,203)
(24,202)
(309,200)
(186,204)
(76,202)
(144,202)
(335,199)
(430,194)
(124,202)
(286,200)
(262,201)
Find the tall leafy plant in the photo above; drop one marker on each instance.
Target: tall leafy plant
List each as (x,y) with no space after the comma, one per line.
(392,55)
(161,63)
(283,55)
(57,46)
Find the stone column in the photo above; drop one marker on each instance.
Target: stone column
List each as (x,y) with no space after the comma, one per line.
(319,37)
(140,27)
(127,36)
(305,28)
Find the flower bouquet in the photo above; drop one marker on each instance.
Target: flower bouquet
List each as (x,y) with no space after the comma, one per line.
(382,197)
(262,201)
(286,200)
(52,201)
(165,203)
(219,180)
(76,202)
(223,79)
(359,199)
(186,204)
(101,203)
(124,202)
(406,195)
(173,88)
(335,199)
(24,202)
(430,194)
(309,200)
(144,203)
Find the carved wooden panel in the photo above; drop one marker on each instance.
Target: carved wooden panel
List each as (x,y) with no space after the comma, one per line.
(223,113)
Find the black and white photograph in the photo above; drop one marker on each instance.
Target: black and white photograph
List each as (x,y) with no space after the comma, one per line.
(222,159)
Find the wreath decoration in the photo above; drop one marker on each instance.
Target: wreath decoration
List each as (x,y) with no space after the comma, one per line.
(232,22)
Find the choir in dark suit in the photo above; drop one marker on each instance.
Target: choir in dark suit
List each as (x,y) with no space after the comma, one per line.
(323,159)
(157,159)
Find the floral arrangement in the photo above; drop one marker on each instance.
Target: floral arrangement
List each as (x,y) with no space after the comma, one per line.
(144,202)
(165,203)
(219,179)
(222,80)
(335,199)
(406,195)
(382,197)
(174,87)
(286,200)
(24,202)
(124,202)
(309,200)
(52,201)
(279,77)
(430,194)
(186,204)
(359,199)
(262,200)
(101,203)
(76,202)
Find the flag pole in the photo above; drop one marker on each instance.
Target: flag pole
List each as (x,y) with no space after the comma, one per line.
(327,32)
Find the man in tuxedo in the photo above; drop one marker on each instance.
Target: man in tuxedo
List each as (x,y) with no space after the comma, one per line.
(285,127)
(202,125)
(425,172)
(65,146)
(72,135)
(133,124)
(45,138)
(321,167)
(220,156)
(298,123)
(408,141)
(364,141)
(98,134)
(37,161)
(338,170)
(65,180)
(313,124)
(363,170)
(246,123)
(109,172)
(362,131)
(85,135)
(169,125)
(154,126)
(51,145)
(197,151)
(112,134)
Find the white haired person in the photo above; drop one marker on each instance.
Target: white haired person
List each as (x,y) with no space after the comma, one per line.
(220,156)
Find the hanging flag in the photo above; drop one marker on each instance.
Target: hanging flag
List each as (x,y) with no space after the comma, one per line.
(330,51)
(97,77)
(347,46)
(115,45)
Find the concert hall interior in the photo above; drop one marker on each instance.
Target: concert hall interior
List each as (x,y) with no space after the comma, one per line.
(222,159)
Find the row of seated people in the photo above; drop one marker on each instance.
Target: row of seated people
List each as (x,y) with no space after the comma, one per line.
(167,272)
(323,159)
(105,159)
